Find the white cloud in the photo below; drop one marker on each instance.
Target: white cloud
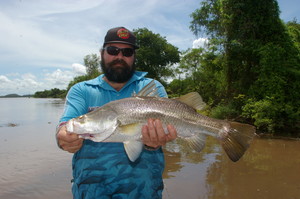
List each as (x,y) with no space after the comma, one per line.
(21,84)
(58,78)
(29,84)
(200,43)
(4,79)
(79,69)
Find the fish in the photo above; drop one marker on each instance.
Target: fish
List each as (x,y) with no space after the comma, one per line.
(122,121)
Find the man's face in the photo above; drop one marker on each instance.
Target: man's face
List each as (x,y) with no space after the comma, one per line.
(117,67)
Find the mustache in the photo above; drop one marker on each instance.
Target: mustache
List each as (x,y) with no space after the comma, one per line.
(118,61)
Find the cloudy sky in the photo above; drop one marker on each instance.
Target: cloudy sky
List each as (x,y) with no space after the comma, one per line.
(43,42)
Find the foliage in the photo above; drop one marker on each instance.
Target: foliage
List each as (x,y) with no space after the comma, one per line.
(155,54)
(53,93)
(264,113)
(180,87)
(224,111)
(92,64)
(249,54)
(294,31)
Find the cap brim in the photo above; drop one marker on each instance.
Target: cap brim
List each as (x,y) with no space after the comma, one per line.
(120,42)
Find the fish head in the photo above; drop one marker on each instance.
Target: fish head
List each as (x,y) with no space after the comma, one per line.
(79,125)
(98,124)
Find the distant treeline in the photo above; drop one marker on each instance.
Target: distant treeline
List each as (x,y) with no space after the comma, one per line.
(14,95)
(53,93)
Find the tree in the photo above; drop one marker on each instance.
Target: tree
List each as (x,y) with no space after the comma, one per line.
(155,55)
(259,59)
(53,93)
(92,64)
(294,31)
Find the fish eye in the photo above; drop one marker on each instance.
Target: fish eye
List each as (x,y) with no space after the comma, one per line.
(81,118)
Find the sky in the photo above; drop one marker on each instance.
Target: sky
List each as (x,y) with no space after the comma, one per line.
(43,42)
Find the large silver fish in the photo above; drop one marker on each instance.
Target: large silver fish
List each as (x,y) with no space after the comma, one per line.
(122,121)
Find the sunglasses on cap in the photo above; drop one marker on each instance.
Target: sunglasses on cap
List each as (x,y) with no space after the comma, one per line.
(112,50)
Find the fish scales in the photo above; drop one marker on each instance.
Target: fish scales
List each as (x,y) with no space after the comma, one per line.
(181,116)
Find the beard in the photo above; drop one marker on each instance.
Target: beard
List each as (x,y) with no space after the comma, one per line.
(118,74)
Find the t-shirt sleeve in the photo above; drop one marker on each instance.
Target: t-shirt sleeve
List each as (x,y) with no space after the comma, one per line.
(75,103)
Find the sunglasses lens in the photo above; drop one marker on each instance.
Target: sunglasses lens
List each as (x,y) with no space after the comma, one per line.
(127,52)
(112,50)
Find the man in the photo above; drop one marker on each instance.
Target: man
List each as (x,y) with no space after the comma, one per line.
(103,170)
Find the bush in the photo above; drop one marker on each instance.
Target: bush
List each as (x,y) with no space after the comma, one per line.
(224,111)
(264,113)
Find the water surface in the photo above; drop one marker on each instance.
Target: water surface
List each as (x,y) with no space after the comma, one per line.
(32,167)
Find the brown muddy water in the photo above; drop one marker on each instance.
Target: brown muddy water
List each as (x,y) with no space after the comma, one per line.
(32,167)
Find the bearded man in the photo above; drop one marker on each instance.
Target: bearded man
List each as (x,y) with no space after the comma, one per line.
(102,169)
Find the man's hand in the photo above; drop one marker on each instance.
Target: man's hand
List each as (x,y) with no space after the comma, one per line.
(154,135)
(68,141)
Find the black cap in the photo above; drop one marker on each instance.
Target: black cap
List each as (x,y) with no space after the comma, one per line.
(120,35)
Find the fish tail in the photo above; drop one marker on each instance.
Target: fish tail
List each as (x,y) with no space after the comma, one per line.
(236,139)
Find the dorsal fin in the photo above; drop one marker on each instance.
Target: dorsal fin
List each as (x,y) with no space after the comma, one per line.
(150,90)
(192,99)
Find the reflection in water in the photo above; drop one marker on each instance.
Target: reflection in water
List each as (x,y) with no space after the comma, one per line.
(269,169)
(185,172)
(32,166)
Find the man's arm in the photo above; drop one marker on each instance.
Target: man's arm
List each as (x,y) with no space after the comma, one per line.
(75,106)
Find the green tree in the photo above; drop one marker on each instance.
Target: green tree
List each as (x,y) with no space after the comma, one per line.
(53,93)
(294,31)
(92,63)
(202,72)
(155,55)
(260,61)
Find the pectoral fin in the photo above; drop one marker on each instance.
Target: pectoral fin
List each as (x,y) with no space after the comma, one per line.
(196,142)
(133,149)
(130,129)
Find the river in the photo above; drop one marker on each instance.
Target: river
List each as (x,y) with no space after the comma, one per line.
(32,167)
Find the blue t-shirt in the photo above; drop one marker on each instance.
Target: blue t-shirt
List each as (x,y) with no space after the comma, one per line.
(103,170)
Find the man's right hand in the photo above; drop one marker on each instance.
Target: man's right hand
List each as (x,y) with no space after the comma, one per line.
(68,141)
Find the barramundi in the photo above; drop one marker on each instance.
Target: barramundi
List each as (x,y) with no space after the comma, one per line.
(122,121)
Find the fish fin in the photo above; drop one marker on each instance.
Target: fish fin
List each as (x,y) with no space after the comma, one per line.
(130,129)
(196,142)
(236,139)
(133,149)
(192,99)
(150,90)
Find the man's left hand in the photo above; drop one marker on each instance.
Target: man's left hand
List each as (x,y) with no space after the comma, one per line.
(154,134)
